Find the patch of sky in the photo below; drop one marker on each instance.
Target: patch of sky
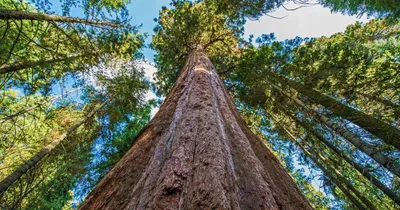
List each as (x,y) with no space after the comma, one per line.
(313,21)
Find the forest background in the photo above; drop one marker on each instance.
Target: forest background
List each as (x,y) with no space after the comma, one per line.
(89,101)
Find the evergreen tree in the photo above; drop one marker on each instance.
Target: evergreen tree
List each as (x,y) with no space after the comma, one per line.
(196,151)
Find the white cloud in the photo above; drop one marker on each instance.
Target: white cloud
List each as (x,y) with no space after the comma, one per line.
(314,21)
(149,70)
(112,69)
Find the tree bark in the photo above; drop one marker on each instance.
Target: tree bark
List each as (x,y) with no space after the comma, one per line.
(21,15)
(364,171)
(6,68)
(375,98)
(197,153)
(334,176)
(370,150)
(329,172)
(382,130)
(22,169)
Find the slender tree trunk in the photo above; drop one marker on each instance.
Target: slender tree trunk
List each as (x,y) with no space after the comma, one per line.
(22,169)
(368,149)
(386,132)
(329,173)
(197,153)
(375,98)
(22,15)
(330,165)
(29,109)
(364,171)
(6,68)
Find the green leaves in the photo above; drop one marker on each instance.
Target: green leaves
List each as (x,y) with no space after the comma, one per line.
(188,26)
(357,68)
(40,51)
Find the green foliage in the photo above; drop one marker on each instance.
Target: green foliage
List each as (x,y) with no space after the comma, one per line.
(23,137)
(91,7)
(189,26)
(357,68)
(76,47)
(252,9)
(360,7)
(48,185)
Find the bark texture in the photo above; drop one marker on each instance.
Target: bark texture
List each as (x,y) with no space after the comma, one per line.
(197,153)
(22,15)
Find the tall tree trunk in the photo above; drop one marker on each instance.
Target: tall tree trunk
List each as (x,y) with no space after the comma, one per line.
(364,171)
(331,167)
(329,172)
(378,99)
(365,147)
(6,68)
(22,15)
(386,132)
(22,169)
(29,109)
(197,153)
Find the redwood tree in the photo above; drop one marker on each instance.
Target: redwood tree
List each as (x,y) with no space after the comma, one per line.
(197,152)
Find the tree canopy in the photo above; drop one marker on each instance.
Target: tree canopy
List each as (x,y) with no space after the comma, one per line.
(73,89)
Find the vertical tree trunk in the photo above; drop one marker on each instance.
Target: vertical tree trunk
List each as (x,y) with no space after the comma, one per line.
(329,172)
(22,15)
(382,130)
(387,162)
(23,168)
(375,98)
(197,153)
(7,68)
(363,170)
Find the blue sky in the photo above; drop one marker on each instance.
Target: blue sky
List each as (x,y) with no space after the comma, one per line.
(143,12)
(313,21)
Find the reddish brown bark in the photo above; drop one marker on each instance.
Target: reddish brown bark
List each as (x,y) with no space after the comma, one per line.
(197,153)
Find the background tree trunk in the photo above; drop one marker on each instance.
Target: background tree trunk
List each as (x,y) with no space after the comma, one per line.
(24,168)
(363,170)
(197,153)
(380,129)
(365,147)
(21,15)
(6,68)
